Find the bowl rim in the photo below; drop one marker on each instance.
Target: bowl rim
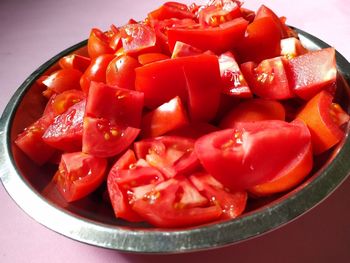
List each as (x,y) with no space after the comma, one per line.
(249,225)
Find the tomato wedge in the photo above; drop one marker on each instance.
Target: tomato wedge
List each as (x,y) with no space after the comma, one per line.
(66,132)
(102,138)
(79,174)
(163,80)
(121,72)
(217,39)
(253,152)
(120,106)
(166,205)
(74,61)
(170,154)
(253,110)
(323,119)
(126,174)
(62,80)
(312,72)
(231,203)
(167,117)
(98,44)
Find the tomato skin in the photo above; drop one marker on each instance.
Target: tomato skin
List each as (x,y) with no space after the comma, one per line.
(74,61)
(151,57)
(161,208)
(253,110)
(122,107)
(320,116)
(31,143)
(183,50)
(264,11)
(98,44)
(79,174)
(167,117)
(231,203)
(290,178)
(62,80)
(312,72)
(262,41)
(65,133)
(237,157)
(95,72)
(152,78)
(170,10)
(218,39)
(102,138)
(204,89)
(121,72)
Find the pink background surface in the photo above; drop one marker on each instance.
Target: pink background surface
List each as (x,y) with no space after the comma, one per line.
(32,31)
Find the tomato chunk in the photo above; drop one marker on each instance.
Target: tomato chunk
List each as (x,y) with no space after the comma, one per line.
(163,80)
(234,83)
(170,154)
(120,106)
(66,132)
(217,39)
(62,80)
(102,138)
(231,203)
(164,205)
(323,119)
(167,117)
(253,110)
(98,44)
(74,61)
(79,174)
(312,72)
(238,157)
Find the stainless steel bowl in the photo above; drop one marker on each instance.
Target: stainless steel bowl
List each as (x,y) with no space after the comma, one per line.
(92,221)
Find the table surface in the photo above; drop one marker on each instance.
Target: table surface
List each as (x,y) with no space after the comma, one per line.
(33,31)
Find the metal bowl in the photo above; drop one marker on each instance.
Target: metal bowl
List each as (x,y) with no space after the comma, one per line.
(92,221)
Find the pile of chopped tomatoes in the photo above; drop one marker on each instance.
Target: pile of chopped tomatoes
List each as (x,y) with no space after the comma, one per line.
(188,113)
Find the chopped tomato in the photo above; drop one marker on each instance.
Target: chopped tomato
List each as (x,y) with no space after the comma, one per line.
(312,72)
(194,130)
(167,117)
(171,10)
(264,11)
(98,44)
(166,205)
(121,72)
(66,131)
(79,174)
(183,50)
(170,154)
(219,12)
(138,38)
(59,103)
(252,152)
(103,139)
(62,80)
(291,176)
(151,57)
(262,41)
(95,72)
(217,39)
(291,47)
(31,143)
(269,79)
(120,106)
(163,80)
(231,203)
(126,174)
(253,110)
(74,61)
(323,119)
(233,81)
